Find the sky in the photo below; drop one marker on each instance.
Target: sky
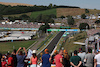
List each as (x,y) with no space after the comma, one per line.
(89,4)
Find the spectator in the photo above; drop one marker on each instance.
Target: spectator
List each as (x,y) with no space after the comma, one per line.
(40,56)
(53,56)
(46,59)
(89,57)
(21,57)
(10,61)
(65,51)
(58,59)
(82,54)
(4,63)
(33,59)
(66,61)
(75,60)
(97,60)
(14,57)
(0,59)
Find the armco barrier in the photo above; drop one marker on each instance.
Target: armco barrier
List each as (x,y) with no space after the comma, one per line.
(45,41)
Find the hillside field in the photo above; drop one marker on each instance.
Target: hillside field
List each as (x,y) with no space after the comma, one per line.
(59,12)
(17,15)
(45,12)
(15,4)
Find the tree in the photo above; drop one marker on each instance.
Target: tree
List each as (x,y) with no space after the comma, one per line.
(45,18)
(1,17)
(83,26)
(83,16)
(24,17)
(97,21)
(50,5)
(52,16)
(44,27)
(31,19)
(39,18)
(54,6)
(62,17)
(70,20)
(11,18)
(86,11)
(51,21)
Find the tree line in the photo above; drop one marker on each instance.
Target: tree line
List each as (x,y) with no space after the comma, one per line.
(8,10)
(39,18)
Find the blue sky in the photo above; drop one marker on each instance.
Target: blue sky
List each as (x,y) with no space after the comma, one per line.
(91,4)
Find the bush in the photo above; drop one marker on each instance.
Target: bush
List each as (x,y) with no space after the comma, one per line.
(97,21)
(70,20)
(44,27)
(86,11)
(83,26)
(83,16)
(62,17)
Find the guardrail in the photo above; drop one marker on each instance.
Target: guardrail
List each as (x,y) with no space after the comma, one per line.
(45,41)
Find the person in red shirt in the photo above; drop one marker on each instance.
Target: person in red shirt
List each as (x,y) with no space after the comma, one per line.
(4,63)
(58,59)
(10,61)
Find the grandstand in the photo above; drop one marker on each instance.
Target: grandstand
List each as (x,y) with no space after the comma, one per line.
(18,35)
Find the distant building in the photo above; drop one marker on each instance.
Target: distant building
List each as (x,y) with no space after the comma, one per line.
(99,17)
(78,17)
(5,18)
(93,17)
(87,17)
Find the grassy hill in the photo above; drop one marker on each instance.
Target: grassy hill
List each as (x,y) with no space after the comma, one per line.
(70,47)
(35,14)
(59,12)
(45,12)
(17,15)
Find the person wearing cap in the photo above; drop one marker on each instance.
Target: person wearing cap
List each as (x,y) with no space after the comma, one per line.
(21,57)
(14,57)
(53,56)
(82,54)
(65,51)
(10,60)
(4,63)
(59,59)
(46,59)
(33,59)
(97,59)
(66,61)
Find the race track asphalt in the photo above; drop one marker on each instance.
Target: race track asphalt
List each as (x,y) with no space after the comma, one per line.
(53,43)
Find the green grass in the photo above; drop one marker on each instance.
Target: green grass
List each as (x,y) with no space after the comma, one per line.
(35,14)
(17,15)
(8,46)
(54,34)
(45,12)
(70,47)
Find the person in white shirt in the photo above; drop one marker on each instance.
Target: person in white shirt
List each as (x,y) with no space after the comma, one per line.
(97,60)
(82,55)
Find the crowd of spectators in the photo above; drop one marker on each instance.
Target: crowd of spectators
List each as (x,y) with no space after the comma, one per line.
(90,22)
(92,32)
(19,25)
(59,59)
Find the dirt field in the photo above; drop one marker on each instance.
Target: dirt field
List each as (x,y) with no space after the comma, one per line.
(69,11)
(15,4)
